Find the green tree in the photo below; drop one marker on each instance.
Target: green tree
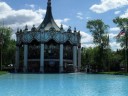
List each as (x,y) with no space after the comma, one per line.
(87,57)
(122,23)
(99,32)
(8,46)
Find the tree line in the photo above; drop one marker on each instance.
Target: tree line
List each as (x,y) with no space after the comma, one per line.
(7,48)
(101,57)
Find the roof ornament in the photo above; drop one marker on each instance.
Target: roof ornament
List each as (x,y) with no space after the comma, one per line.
(74,29)
(69,29)
(49,3)
(18,30)
(26,27)
(79,32)
(33,28)
(61,27)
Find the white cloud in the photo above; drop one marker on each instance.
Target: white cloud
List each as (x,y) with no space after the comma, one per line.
(31,5)
(107,5)
(115,45)
(19,18)
(125,15)
(113,32)
(112,35)
(13,36)
(79,13)
(66,20)
(88,45)
(4,7)
(86,40)
(117,12)
(115,29)
(80,16)
(88,18)
(59,21)
(62,21)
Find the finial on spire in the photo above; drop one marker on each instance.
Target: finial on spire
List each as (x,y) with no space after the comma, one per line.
(18,30)
(75,29)
(33,26)
(69,29)
(26,27)
(49,2)
(61,27)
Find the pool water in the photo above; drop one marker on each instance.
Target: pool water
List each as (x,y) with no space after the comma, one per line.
(76,84)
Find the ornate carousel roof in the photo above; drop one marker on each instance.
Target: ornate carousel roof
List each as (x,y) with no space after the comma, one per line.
(48,21)
(48,30)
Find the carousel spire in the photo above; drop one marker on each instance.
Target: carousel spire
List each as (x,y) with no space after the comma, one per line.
(48,21)
(49,3)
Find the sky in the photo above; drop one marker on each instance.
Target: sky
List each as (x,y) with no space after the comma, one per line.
(74,13)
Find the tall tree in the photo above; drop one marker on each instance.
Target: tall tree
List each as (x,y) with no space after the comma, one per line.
(122,23)
(8,46)
(99,32)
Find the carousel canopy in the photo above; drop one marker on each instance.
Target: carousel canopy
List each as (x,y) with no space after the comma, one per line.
(48,30)
(48,21)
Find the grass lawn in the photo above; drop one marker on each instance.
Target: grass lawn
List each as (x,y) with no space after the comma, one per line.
(3,72)
(114,73)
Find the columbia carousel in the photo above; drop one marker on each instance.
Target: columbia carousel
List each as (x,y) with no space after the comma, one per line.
(48,48)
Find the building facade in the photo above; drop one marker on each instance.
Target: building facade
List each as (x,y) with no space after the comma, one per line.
(48,48)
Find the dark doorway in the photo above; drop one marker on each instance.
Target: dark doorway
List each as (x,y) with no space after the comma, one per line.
(51,67)
(34,66)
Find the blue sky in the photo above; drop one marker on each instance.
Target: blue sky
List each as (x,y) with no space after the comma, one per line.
(74,13)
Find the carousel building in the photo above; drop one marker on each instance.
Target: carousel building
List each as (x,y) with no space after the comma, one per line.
(48,48)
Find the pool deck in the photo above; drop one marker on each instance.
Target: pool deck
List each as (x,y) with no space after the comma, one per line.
(108,73)
(3,72)
(113,73)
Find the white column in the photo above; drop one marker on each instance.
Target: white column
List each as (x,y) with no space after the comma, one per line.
(25,58)
(75,58)
(42,58)
(79,58)
(61,58)
(17,58)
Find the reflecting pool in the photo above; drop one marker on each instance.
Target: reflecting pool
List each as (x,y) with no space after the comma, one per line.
(76,84)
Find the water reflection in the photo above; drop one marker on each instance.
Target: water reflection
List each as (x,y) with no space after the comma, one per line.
(63,85)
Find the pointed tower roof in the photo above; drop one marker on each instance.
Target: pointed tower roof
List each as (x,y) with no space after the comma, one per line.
(48,21)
